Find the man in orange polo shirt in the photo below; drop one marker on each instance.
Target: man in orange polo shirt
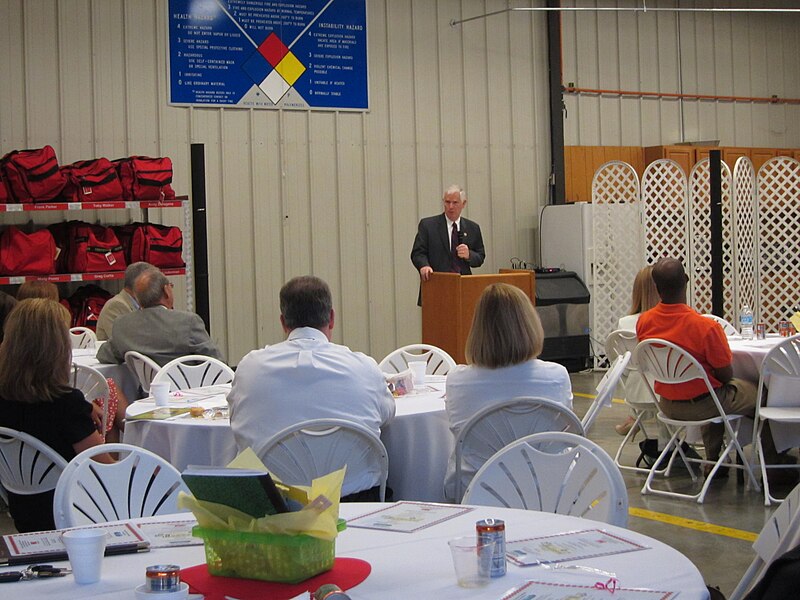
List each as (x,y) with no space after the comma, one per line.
(673,320)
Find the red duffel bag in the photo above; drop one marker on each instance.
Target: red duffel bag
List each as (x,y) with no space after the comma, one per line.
(92,181)
(94,249)
(33,175)
(4,193)
(160,245)
(144,178)
(27,253)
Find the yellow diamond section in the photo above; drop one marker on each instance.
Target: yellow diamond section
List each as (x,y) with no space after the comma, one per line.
(290,68)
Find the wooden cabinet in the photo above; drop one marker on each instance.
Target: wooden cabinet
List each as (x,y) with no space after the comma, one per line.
(685,156)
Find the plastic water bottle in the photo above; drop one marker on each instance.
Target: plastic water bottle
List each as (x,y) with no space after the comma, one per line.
(746,322)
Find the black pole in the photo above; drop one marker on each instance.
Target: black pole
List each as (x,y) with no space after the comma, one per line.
(717,276)
(199,233)
(556,182)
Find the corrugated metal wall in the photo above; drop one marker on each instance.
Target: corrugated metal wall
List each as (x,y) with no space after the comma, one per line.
(337,194)
(723,54)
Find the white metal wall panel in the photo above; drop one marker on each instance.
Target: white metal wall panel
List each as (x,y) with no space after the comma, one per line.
(748,55)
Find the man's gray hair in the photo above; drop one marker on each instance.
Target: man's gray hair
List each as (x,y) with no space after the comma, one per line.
(456,189)
(133,271)
(149,287)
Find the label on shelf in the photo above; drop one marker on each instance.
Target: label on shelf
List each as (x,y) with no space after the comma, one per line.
(66,277)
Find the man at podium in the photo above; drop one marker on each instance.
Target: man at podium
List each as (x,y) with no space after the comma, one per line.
(448,242)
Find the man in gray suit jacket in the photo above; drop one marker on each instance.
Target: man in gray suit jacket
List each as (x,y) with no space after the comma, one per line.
(448,242)
(157,330)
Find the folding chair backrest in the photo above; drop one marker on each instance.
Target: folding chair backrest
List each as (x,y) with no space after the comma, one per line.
(28,465)
(302,452)
(605,390)
(727,328)
(140,484)
(82,337)
(779,372)
(554,472)
(143,367)
(93,385)
(194,371)
(498,425)
(439,361)
(780,533)
(666,362)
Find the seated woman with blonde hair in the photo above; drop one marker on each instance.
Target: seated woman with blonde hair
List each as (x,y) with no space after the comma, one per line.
(501,351)
(36,398)
(37,289)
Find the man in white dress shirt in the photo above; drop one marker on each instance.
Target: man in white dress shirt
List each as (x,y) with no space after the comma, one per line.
(308,377)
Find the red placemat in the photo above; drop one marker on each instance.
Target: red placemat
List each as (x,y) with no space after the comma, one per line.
(346,573)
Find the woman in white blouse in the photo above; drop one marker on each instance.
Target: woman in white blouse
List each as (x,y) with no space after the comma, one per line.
(501,350)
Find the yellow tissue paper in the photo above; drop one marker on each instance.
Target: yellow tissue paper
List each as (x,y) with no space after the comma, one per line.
(318,518)
(795,320)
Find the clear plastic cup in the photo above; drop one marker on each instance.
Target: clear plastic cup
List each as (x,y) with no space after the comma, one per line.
(472,561)
(418,368)
(85,548)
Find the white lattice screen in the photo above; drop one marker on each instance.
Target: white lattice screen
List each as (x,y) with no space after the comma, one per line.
(745,263)
(778,237)
(617,239)
(700,238)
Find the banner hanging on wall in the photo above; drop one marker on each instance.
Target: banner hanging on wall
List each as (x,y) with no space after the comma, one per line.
(262,54)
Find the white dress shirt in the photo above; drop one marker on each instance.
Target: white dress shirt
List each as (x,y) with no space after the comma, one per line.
(471,389)
(307,377)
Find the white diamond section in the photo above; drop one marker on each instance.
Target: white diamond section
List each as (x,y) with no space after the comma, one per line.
(745,256)
(274,86)
(665,214)
(700,238)
(617,240)
(778,238)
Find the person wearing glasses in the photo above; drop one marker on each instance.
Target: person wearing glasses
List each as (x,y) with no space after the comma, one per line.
(157,330)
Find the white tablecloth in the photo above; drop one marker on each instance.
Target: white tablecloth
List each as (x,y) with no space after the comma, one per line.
(121,375)
(417,440)
(418,565)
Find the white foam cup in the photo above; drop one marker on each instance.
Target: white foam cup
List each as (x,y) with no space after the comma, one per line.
(418,371)
(85,549)
(160,392)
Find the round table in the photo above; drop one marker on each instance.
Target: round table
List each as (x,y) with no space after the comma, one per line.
(418,440)
(418,565)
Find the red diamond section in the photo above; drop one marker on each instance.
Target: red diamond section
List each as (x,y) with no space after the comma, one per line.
(273,49)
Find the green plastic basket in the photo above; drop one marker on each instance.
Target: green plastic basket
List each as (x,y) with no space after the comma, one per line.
(266,556)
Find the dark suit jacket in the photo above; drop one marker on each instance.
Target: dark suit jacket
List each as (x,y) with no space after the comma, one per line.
(432,245)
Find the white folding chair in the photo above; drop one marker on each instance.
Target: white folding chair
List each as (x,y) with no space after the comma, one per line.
(27,465)
(779,382)
(140,484)
(605,390)
(555,472)
(663,361)
(636,397)
(93,385)
(143,367)
(302,452)
(726,325)
(82,337)
(439,361)
(780,533)
(194,370)
(498,425)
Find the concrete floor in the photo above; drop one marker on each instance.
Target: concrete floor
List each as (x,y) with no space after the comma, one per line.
(716,536)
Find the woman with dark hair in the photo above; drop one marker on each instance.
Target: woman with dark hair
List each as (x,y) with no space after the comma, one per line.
(501,350)
(36,398)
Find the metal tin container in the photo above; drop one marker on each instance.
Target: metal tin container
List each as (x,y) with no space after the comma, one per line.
(163,578)
(761,331)
(494,530)
(783,328)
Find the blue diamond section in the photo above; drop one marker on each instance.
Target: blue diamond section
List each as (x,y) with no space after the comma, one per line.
(257,67)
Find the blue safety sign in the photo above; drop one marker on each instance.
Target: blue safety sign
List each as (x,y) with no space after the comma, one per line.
(262,54)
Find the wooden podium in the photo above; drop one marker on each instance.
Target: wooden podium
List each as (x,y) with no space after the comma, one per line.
(448,303)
